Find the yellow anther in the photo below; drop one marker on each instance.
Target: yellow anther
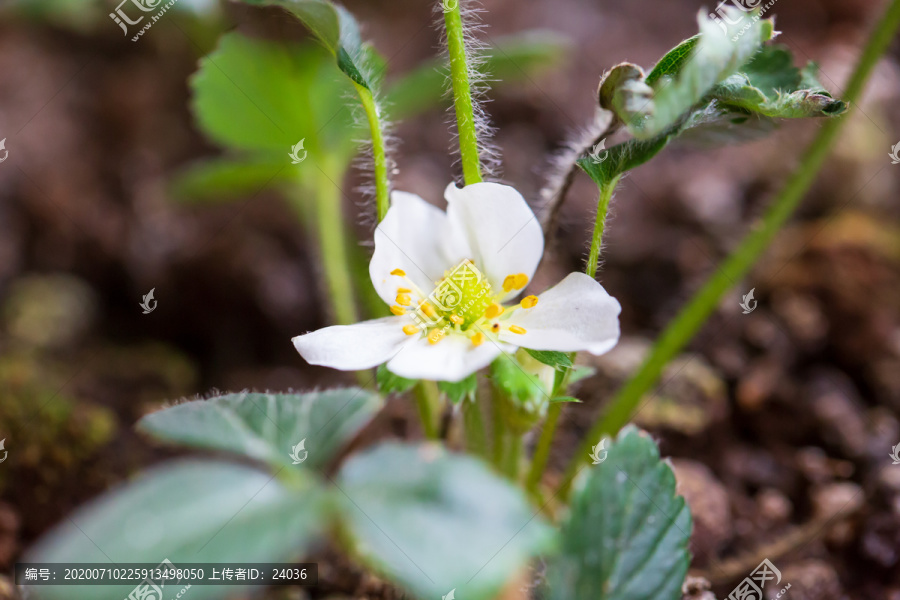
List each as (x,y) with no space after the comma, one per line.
(529,301)
(477,339)
(435,335)
(495,327)
(399,272)
(398,310)
(493,311)
(517,329)
(509,283)
(457,319)
(428,309)
(410,329)
(403,290)
(403,299)
(521,280)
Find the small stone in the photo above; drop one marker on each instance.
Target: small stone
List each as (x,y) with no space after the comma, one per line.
(709,504)
(809,580)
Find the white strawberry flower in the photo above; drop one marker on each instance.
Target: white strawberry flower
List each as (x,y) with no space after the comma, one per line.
(449,278)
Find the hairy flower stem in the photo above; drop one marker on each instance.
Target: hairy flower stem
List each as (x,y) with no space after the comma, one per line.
(606,194)
(705,301)
(379,152)
(428,401)
(462,96)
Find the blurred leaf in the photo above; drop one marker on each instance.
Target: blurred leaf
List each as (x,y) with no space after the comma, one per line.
(268,426)
(514,381)
(435,521)
(557,360)
(579,373)
(628,532)
(624,157)
(389,383)
(457,391)
(336,29)
(513,58)
(224,178)
(257,96)
(190,511)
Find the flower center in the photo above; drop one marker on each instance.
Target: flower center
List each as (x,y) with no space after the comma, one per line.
(461,299)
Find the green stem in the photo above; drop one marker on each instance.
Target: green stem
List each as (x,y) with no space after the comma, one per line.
(332,238)
(379,152)
(473,422)
(428,402)
(498,426)
(462,96)
(606,194)
(542,450)
(513,454)
(705,301)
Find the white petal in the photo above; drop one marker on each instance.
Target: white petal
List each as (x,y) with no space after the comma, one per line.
(504,235)
(414,236)
(353,347)
(576,314)
(452,359)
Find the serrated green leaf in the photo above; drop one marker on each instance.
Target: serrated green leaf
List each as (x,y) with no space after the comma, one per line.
(557,360)
(222,179)
(267,427)
(457,391)
(435,521)
(190,511)
(389,383)
(512,58)
(625,156)
(628,532)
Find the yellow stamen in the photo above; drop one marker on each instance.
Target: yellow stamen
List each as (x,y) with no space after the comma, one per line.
(495,327)
(399,272)
(428,309)
(403,290)
(509,283)
(403,299)
(529,301)
(494,310)
(435,335)
(517,329)
(398,310)
(477,339)
(410,329)
(457,319)
(521,280)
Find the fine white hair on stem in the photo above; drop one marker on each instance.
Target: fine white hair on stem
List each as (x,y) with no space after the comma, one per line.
(563,167)
(476,56)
